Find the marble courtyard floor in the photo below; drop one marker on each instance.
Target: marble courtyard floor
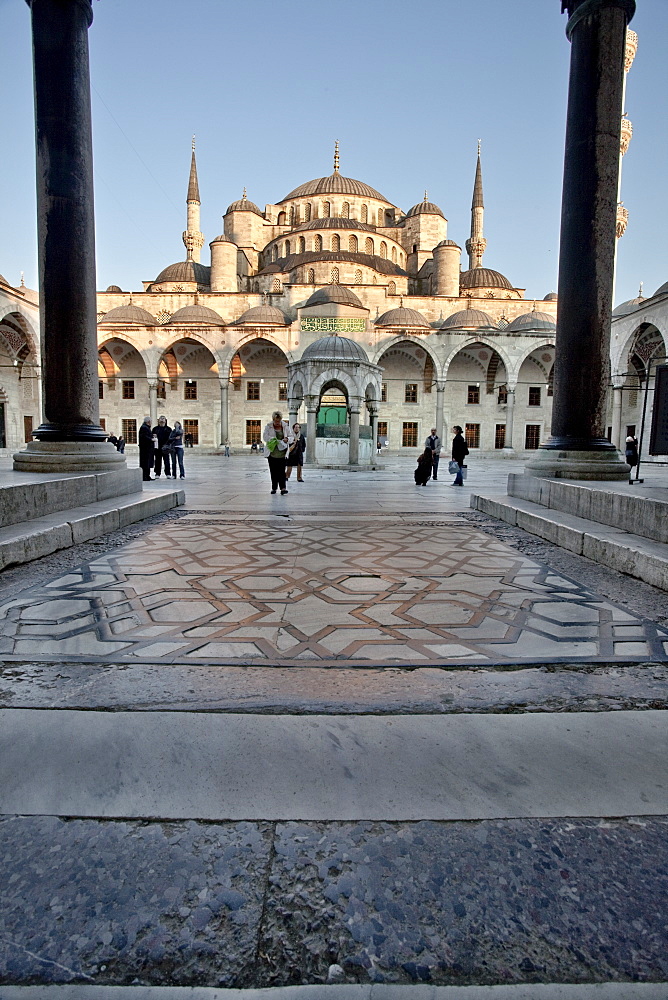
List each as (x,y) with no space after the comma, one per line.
(344,734)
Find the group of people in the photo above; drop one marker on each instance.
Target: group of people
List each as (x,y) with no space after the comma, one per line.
(161,447)
(285,448)
(427,463)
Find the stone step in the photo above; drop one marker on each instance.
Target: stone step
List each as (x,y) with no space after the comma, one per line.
(27,496)
(624,551)
(40,536)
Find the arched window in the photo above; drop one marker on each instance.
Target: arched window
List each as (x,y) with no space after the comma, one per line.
(292,215)
(311,276)
(302,245)
(276,286)
(392,288)
(336,242)
(326,209)
(345,210)
(383,250)
(307,212)
(352,244)
(281,219)
(358,277)
(381,216)
(275,253)
(368,245)
(287,248)
(334,276)
(394,255)
(297,215)
(317,243)
(365,213)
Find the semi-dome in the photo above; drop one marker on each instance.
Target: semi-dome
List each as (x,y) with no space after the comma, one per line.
(114,288)
(424,208)
(403,317)
(532,321)
(185,270)
(334,349)
(262,316)
(334,293)
(244,205)
(483,277)
(336,183)
(469,319)
(201,315)
(129,314)
(551,297)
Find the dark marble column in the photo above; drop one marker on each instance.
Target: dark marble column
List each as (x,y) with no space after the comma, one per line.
(578,447)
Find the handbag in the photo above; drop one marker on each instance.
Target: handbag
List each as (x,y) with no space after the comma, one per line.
(465,472)
(453,467)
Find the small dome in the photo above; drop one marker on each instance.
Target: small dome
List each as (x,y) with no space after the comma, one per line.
(197,314)
(469,319)
(223,239)
(186,270)
(403,317)
(334,222)
(334,349)
(624,308)
(447,243)
(662,290)
(3,281)
(336,183)
(532,321)
(334,293)
(262,316)
(244,205)
(129,314)
(483,277)
(424,208)
(551,297)
(114,288)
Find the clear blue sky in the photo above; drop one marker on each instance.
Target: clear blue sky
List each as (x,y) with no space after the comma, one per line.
(267,87)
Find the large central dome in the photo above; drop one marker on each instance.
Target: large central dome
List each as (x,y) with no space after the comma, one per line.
(336,183)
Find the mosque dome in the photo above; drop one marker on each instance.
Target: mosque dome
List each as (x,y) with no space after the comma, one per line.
(551,297)
(244,205)
(336,183)
(469,319)
(662,290)
(262,316)
(403,317)
(186,270)
(532,321)
(334,293)
(624,308)
(334,349)
(129,314)
(447,243)
(334,222)
(424,208)
(114,288)
(197,314)
(222,239)
(483,277)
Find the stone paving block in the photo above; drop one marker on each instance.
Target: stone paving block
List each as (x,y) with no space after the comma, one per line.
(171,903)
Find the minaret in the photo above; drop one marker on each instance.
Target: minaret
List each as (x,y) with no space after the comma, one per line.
(476,245)
(193,239)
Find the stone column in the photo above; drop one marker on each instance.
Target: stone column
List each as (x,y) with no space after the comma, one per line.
(354,445)
(311,414)
(224,418)
(70,438)
(440,400)
(578,447)
(373,412)
(153,401)
(508,449)
(617,400)
(293,410)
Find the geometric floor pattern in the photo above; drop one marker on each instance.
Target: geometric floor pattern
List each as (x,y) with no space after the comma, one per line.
(315,590)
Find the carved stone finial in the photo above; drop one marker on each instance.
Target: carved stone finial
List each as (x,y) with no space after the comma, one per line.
(640,291)
(425,196)
(193,144)
(479,146)
(336,156)
(23,279)
(243,197)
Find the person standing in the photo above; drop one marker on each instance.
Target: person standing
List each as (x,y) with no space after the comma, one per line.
(459,452)
(146,449)
(278,437)
(422,474)
(631,454)
(161,431)
(296,454)
(175,443)
(434,442)
(226,446)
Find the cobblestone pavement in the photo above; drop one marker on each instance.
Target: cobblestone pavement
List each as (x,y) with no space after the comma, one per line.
(357,593)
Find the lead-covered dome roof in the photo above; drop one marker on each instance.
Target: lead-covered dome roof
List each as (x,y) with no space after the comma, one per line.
(186,270)
(334,349)
(262,316)
(532,321)
(129,314)
(336,183)
(483,277)
(662,289)
(334,293)
(334,222)
(469,319)
(244,205)
(424,208)
(403,317)
(201,315)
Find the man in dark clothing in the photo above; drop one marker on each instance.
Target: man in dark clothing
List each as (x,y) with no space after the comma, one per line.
(434,442)
(146,449)
(459,452)
(162,431)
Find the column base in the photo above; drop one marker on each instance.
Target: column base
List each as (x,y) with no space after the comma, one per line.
(508,452)
(69,456)
(596,465)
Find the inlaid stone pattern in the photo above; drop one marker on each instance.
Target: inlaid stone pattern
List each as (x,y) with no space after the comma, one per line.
(371,592)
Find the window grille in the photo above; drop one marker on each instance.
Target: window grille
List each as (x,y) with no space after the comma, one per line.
(336,242)
(282,391)
(190,389)
(500,436)
(534,395)
(409,434)
(368,245)
(472,435)
(129,431)
(191,427)
(383,250)
(345,211)
(252,390)
(317,243)
(383,392)
(100,390)
(352,244)
(365,213)
(253,431)
(128,388)
(473,394)
(358,277)
(302,245)
(532,436)
(392,288)
(410,392)
(311,276)
(334,276)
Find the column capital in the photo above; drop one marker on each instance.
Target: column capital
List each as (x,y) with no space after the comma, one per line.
(579,9)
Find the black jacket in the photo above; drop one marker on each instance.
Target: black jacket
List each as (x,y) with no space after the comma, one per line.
(459,449)
(145,438)
(162,434)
